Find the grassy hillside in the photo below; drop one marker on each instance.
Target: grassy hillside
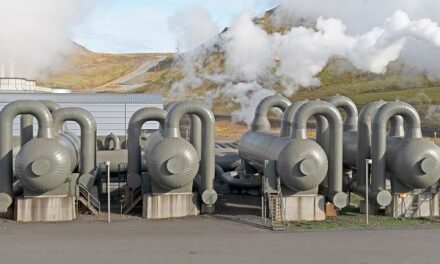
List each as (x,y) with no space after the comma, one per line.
(85,69)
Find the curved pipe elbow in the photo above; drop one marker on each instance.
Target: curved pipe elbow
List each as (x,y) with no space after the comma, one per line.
(364,139)
(196,128)
(351,119)
(334,118)
(88,134)
(7,115)
(137,120)
(316,108)
(207,118)
(261,121)
(379,137)
(112,138)
(286,123)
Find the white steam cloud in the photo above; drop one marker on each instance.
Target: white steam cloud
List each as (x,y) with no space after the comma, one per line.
(34,35)
(256,61)
(192,28)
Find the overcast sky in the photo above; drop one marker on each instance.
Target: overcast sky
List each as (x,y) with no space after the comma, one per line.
(142,25)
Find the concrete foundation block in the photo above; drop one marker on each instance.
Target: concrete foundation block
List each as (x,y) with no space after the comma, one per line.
(45,208)
(170,205)
(414,205)
(304,207)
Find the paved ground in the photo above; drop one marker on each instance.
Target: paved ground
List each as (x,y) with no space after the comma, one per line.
(208,240)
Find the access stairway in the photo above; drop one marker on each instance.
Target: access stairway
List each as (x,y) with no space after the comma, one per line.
(131,198)
(272,198)
(89,201)
(276,210)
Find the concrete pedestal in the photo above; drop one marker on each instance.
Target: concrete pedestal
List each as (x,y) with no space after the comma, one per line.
(414,205)
(170,205)
(45,209)
(304,207)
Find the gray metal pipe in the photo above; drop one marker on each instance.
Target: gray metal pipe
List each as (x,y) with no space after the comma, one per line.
(396,127)
(261,121)
(364,139)
(195,137)
(351,111)
(335,187)
(27,125)
(7,115)
(350,121)
(286,123)
(88,134)
(350,124)
(26,129)
(112,138)
(379,140)
(171,129)
(137,120)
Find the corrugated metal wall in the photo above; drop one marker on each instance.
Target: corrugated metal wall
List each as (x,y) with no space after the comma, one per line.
(110,115)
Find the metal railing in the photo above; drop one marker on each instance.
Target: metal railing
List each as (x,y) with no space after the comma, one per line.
(91,201)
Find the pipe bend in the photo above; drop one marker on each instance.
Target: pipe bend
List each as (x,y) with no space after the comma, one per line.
(137,120)
(351,119)
(315,108)
(406,111)
(171,129)
(116,142)
(88,133)
(7,115)
(51,105)
(331,113)
(180,109)
(195,131)
(379,137)
(286,123)
(364,139)
(261,121)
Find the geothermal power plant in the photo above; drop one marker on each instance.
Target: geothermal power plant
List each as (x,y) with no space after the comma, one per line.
(163,159)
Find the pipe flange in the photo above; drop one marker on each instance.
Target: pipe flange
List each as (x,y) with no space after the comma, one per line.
(209,197)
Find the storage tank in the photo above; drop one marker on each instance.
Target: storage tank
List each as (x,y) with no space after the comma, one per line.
(173,162)
(7,115)
(260,126)
(413,162)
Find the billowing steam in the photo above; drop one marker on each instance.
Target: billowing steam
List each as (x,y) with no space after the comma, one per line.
(255,62)
(34,35)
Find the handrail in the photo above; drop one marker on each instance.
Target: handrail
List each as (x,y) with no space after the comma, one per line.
(129,197)
(91,200)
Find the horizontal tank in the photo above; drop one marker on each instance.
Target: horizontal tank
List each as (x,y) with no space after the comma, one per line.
(301,164)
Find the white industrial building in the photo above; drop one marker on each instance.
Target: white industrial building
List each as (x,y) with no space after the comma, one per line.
(112,112)
(24,85)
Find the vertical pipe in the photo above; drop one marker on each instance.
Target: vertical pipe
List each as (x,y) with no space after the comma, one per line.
(286,123)
(364,139)
(26,129)
(205,114)
(196,134)
(396,127)
(7,115)
(261,121)
(335,181)
(379,142)
(137,120)
(350,121)
(88,134)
